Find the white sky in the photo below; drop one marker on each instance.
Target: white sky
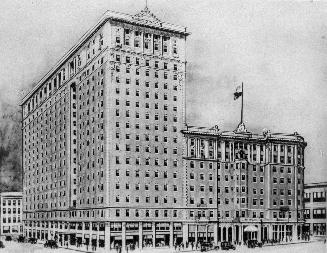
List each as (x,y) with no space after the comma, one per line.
(278,49)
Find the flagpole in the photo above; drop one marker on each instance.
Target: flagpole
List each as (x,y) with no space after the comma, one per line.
(242,105)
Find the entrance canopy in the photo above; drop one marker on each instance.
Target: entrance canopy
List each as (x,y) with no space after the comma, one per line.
(251,228)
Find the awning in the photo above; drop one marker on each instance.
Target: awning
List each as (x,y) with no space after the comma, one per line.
(251,229)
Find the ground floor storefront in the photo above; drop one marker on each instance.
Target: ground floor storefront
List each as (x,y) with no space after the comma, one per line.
(315,229)
(136,235)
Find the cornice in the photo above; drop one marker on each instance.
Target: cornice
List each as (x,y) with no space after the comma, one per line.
(249,137)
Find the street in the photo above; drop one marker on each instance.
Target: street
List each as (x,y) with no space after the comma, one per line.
(312,247)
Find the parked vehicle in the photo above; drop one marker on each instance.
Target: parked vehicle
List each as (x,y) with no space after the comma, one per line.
(32,240)
(51,244)
(254,243)
(8,238)
(206,246)
(227,246)
(21,238)
(1,245)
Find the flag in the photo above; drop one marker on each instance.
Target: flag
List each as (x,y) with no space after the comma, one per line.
(237,93)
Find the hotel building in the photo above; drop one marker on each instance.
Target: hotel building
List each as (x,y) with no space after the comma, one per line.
(248,185)
(315,208)
(102,142)
(11,213)
(108,159)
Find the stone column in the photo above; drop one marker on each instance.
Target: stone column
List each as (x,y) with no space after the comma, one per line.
(223,150)
(270,231)
(98,239)
(196,233)
(215,233)
(260,228)
(140,235)
(294,232)
(234,232)
(185,233)
(206,148)
(285,232)
(123,237)
(106,236)
(68,239)
(154,234)
(171,235)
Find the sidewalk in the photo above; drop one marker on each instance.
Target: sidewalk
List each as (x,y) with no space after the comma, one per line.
(172,250)
(288,243)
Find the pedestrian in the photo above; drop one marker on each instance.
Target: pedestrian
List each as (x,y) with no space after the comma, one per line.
(192,245)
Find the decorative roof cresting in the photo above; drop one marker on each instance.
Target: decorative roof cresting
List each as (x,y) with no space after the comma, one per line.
(147,16)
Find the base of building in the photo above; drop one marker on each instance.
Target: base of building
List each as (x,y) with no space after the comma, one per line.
(148,235)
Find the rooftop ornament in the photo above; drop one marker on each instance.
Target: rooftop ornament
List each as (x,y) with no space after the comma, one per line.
(147,16)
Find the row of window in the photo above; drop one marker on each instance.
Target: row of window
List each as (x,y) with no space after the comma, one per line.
(154,213)
(146,126)
(146,95)
(156,64)
(147,161)
(146,137)
(127,114)
(147,199)
(9,202)
(146,105)
(147,73)
(8,210)
(150,42)
(11,219)
(282,202)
